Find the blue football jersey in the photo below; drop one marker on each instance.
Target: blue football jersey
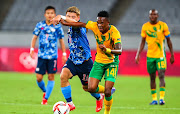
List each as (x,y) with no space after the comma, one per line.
(48,39)
(78,45)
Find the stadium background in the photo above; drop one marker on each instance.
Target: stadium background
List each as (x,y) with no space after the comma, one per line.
(19,93)
(19,17)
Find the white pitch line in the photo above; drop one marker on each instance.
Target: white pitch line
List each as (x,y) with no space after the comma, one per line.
(114,107)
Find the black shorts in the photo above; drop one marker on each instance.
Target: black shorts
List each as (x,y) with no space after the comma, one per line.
(46,65)
(82,70)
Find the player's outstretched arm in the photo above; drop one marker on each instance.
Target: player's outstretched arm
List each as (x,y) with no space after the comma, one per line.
(169,43)
(33,43)
(74,24)
(57,19)
(140,49)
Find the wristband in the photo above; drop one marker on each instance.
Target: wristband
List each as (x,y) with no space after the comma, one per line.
(64,54)
(31,49)
(63,17)
(108,50)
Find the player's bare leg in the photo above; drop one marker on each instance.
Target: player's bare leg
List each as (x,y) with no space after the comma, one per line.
(153,88)
(39,77)
(65,86)
(94,88)
(108,97)
(93,85)
(161,74)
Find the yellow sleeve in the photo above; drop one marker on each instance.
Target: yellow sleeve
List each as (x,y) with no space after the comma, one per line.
(166,30)
(116,37)
(143,32)
(90,25)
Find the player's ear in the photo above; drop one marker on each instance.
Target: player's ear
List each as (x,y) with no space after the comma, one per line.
(78,17)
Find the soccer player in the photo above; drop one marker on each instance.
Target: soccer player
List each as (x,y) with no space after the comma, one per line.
(79,61)
(108,40)
(154,33)
(49,35)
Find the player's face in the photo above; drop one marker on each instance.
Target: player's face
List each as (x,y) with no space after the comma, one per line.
(153,16)
(49,14)
(103,24)
(73,15)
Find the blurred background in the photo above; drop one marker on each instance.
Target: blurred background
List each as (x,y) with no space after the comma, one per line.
(19,17)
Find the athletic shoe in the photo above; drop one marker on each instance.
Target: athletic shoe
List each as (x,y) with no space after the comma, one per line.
(154,102)
(44,102)
(161,102)
(71,106)
(113,90)
(99,103)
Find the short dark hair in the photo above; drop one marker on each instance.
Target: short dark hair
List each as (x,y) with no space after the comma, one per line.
(50,7)
(103,14)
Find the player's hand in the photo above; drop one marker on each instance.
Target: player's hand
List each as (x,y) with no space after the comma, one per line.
(62,21)
(32,54)
(64,59)
(56,20)
(172,59)
(137,59)
(102,47)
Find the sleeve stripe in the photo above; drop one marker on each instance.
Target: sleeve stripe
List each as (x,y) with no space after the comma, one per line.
(168,36)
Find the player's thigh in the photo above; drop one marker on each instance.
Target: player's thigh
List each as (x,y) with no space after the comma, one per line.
(41,66)
(97,71)
(83,71)
(111,72)
(151,65)
(161,63)
(68,70)
(51,66)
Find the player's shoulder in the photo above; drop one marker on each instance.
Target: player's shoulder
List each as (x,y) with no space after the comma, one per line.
(90,22)
(146,24)
(161,22)
(113,28)
(41,23)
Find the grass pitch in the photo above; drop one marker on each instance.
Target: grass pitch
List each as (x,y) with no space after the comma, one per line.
(19,94)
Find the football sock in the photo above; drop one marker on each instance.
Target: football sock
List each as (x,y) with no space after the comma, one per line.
(108,103)
(41,85)
(162,92)
(49,89)
(96,95)
(154,94)
(100,89)
(67,93)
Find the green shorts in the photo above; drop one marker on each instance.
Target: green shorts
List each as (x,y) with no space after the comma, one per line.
(109,71)
(154,64)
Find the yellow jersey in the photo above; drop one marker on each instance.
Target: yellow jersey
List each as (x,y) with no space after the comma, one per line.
(155,38)
(109,39)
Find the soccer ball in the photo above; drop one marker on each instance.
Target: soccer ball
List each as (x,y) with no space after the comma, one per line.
(61,108)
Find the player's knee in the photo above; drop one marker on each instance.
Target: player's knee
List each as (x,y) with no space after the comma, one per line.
(51,77)
(63,78)
(91,89)
(39,79)
(107,92)
(161,74)
(85,88)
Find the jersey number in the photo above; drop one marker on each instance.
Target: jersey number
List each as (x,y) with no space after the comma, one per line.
(85,77)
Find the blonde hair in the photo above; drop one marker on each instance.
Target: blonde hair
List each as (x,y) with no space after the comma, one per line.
(73,9)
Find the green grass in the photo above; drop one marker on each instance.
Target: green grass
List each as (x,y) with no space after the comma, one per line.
(19,94)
